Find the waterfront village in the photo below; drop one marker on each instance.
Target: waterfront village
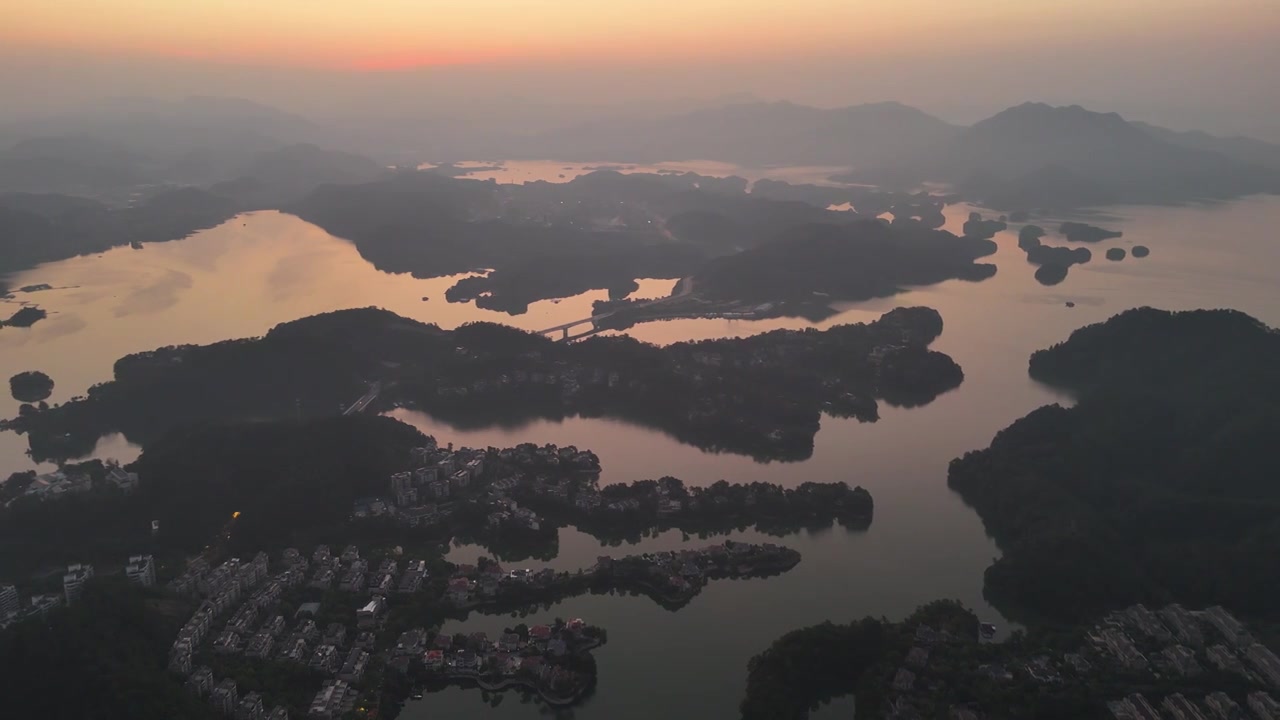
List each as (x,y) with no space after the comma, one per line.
(342,621)
(69,480)
(347,618)
(341,634)
(1168,664)
(529,491)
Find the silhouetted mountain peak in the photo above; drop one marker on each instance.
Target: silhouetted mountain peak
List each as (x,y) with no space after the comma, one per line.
(1034,121)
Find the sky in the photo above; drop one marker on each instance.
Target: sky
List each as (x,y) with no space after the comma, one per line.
(1163,59)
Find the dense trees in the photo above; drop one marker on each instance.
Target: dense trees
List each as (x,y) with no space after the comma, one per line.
(810,666)
(25,317)
(854,262)
(31,386)
(102,658)
(1082,232)
(761,395)
(289,480)
(1158,485)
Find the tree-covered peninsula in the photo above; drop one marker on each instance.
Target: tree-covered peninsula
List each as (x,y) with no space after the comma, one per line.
(1158,485)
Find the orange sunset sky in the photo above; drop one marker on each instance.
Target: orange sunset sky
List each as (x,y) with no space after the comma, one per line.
(396,34)
(1206,64)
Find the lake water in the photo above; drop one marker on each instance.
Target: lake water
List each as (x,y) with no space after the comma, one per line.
(522,171)
(249,274)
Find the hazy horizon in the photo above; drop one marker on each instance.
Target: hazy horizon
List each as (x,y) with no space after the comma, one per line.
(1186,64)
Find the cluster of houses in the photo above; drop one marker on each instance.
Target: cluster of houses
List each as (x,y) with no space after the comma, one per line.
(1135,644)
(570,381)
(668,499)
(61,483)
(226,699)
(350,573)
(13,611)
(532,656)
(427,495)
(681,574)
(1176,642)
(674,576)
(256,629)
(219,589)
(140,570)
(470,584)
(1184,643)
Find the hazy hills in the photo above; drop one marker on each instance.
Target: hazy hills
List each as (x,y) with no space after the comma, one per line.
(754,134)
(1240,149)
(1026,157)
(43,226)
(1039,156)
(113,147)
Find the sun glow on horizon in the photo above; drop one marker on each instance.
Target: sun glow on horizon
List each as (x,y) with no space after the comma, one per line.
(400,34)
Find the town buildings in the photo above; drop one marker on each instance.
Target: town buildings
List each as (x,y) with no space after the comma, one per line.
(141,570)
(74,579)
(8,601)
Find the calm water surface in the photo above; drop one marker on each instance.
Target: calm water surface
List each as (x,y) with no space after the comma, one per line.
(522,171)
(243,277)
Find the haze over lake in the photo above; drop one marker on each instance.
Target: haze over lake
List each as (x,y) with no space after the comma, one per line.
(259,269)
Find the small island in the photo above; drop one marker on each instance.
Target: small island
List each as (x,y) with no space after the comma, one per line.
(25,317)
(670,578)
(977,227)
(1051,273)
(1115,254)
(1140,251)
(30,387)
(1082,232)
(1054,262)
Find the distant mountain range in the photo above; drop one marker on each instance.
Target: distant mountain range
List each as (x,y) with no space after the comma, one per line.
(1030,156)
(1027,157)
(756,133)
(1036,155)
(126,142)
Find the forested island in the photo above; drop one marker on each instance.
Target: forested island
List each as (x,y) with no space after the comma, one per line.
(32,386)
(1053,261)
(1083,232)
(979,227)
(1157,485)
(856,261)
(762,396)
(25,317)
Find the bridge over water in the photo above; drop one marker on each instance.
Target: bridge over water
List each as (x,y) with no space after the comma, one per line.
(686,287)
